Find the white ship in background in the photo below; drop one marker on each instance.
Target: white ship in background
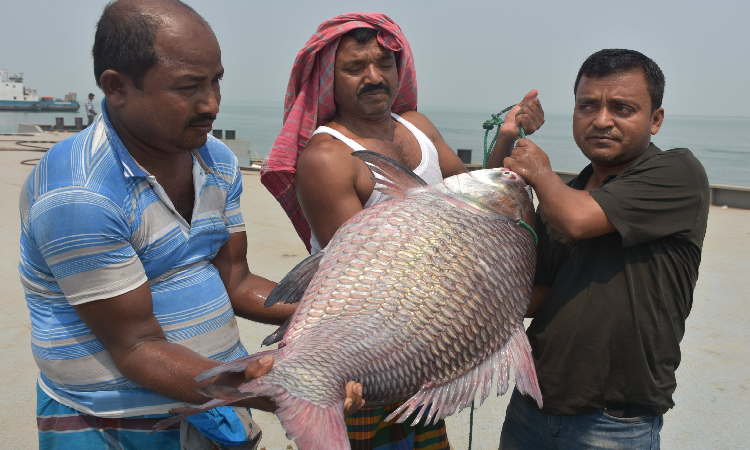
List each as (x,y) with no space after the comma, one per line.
(14,96)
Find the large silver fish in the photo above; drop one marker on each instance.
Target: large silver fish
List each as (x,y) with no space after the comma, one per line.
(419,298)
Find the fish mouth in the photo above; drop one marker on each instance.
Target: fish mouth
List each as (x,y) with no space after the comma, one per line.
(511,175)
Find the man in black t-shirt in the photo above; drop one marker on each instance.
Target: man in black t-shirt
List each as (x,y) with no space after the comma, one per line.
(618,256)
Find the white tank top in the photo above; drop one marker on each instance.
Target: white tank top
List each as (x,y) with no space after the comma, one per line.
(428,168)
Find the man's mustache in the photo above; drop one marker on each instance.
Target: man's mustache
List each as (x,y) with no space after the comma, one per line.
(608,134)
(201,118)
(371,87)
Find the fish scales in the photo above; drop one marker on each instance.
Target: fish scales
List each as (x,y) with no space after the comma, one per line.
(500,236)
(419,298)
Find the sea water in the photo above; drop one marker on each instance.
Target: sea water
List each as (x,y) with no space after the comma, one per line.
(722,144)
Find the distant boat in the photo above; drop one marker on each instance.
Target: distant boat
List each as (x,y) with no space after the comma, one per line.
(15,97)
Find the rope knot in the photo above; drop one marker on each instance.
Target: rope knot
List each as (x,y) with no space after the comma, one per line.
(488,125)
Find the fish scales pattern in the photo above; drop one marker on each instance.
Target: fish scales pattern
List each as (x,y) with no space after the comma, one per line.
(419,287)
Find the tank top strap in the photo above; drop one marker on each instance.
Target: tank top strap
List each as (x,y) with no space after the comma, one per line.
(429,166)
(338,135)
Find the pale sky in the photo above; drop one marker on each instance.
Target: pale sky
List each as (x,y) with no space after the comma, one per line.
(470,54)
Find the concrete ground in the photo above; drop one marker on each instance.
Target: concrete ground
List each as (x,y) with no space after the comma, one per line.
(713,390)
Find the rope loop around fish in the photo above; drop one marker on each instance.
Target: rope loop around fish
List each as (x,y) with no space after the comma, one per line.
(528,227)
(489,125)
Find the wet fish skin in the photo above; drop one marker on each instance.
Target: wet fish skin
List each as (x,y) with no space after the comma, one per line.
(421,297)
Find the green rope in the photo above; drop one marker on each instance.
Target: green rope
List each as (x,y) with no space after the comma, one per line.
(471,423)
(528,227)
(489,125)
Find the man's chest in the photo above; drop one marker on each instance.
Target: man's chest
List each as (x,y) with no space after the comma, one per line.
(403,147)
(163,238)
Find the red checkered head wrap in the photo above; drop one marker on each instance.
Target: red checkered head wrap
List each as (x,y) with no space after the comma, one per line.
(309,101)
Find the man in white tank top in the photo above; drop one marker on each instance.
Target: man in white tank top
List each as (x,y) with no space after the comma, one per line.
(332,185)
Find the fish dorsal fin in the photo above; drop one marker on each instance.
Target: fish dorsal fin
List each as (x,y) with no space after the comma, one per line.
(397,178)
(291,288)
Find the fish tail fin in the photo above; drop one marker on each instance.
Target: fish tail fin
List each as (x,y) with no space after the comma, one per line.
(520,354)
(312,427)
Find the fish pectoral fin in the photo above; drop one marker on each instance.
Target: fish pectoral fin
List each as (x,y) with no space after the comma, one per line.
(277,335)
(439,401)
(291,288)
(398,178)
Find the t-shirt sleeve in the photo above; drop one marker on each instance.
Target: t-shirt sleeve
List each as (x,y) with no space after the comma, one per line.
(232,212)
(83,238)
(658,197)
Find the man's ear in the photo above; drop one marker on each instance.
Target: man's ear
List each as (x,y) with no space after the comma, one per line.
(657,118)
(115,86)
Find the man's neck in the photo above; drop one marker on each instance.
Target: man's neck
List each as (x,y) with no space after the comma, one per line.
(378,127)
(601,172)
(154,161)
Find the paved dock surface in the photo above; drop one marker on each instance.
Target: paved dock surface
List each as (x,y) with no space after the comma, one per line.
(31,141)
(713,392)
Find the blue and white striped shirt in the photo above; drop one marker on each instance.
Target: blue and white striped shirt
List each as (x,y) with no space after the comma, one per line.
(95,225)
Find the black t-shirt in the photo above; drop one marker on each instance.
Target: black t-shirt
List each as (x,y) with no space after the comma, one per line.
(610,327)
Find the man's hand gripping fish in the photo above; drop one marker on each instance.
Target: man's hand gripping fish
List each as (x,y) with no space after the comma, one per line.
(419,298)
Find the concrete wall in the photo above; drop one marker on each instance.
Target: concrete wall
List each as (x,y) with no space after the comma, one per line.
(721,195)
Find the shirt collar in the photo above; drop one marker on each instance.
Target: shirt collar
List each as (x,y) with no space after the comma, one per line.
(579,182)
(130,167)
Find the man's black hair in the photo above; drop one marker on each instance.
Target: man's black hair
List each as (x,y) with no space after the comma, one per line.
(124,39)
(617,61)
(362,35)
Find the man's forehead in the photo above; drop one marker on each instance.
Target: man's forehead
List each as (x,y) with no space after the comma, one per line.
(350,49)
(170,41)
(627,83)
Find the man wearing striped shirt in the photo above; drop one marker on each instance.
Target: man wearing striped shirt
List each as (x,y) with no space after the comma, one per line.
(133,246)
(90,111)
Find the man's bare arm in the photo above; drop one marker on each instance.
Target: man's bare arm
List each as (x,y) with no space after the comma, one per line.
(450,164)
(528,113)
(129,331)
(571,211)
(247,292)
(325,183)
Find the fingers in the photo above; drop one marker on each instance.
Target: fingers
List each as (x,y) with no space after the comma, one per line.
(528,97)
(258,368)
(522,143)
(353,401)
(528,112)
(531,114)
